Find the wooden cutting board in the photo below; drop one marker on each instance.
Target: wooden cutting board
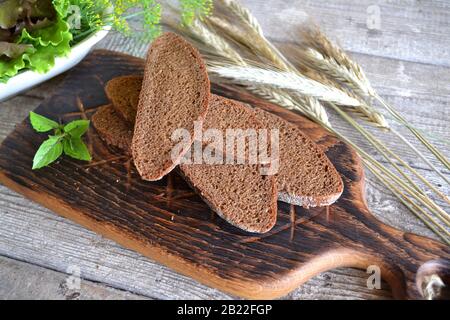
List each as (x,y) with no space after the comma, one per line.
(167,222)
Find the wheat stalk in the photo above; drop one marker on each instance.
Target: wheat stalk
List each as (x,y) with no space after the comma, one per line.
(283,80)
(259,44)
(412,206)
(328,50)
(308,106)
(386,152)
(215,41)
(417,133)
(329,58)
(244,14)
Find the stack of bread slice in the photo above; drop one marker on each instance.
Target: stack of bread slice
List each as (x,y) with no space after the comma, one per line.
(175,93)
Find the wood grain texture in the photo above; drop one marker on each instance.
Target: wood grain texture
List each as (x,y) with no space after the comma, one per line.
(165,221)
(21,280)
(409,30)
(32,233)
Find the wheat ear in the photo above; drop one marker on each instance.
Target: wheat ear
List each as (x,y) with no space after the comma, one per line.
(252,30)
(244,14)
(282,80)
(310,107)
(342,67)
(343,64)
(347,76)
(212,39)
(198,31)
(258,44)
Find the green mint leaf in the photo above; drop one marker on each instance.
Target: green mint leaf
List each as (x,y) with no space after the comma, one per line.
(41,123)
(76,149)
(49,151)
(76,128)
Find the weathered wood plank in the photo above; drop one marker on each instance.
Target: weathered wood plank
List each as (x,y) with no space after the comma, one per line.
(341,284)
(421,92)
(410,30)
(23,281)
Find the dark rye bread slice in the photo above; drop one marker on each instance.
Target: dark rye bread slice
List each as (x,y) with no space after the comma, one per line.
(112,128)
(306,177)
(175,94)
(237,193)
(227,114)
(123,92)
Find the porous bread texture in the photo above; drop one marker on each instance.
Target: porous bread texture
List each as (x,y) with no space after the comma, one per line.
(230,114)
(306,177)
(175,93)
(112,128)
(227,114)
(237,193)
(123,92)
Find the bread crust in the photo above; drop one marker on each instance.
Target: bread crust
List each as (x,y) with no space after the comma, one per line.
(112,128)
(301,158)
(123,92)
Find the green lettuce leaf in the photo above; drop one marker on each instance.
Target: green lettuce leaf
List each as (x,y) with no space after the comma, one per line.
(9,68)
(50,42)
(44,58)
(43,46)
(51,35)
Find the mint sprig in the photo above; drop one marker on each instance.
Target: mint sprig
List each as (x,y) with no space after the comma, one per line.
(65,139)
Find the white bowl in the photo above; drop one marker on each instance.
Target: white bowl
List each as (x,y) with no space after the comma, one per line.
(27,79)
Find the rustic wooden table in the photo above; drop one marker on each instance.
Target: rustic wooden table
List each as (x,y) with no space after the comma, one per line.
(405,51)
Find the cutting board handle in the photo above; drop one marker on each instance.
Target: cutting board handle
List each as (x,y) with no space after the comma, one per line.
(416,267)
